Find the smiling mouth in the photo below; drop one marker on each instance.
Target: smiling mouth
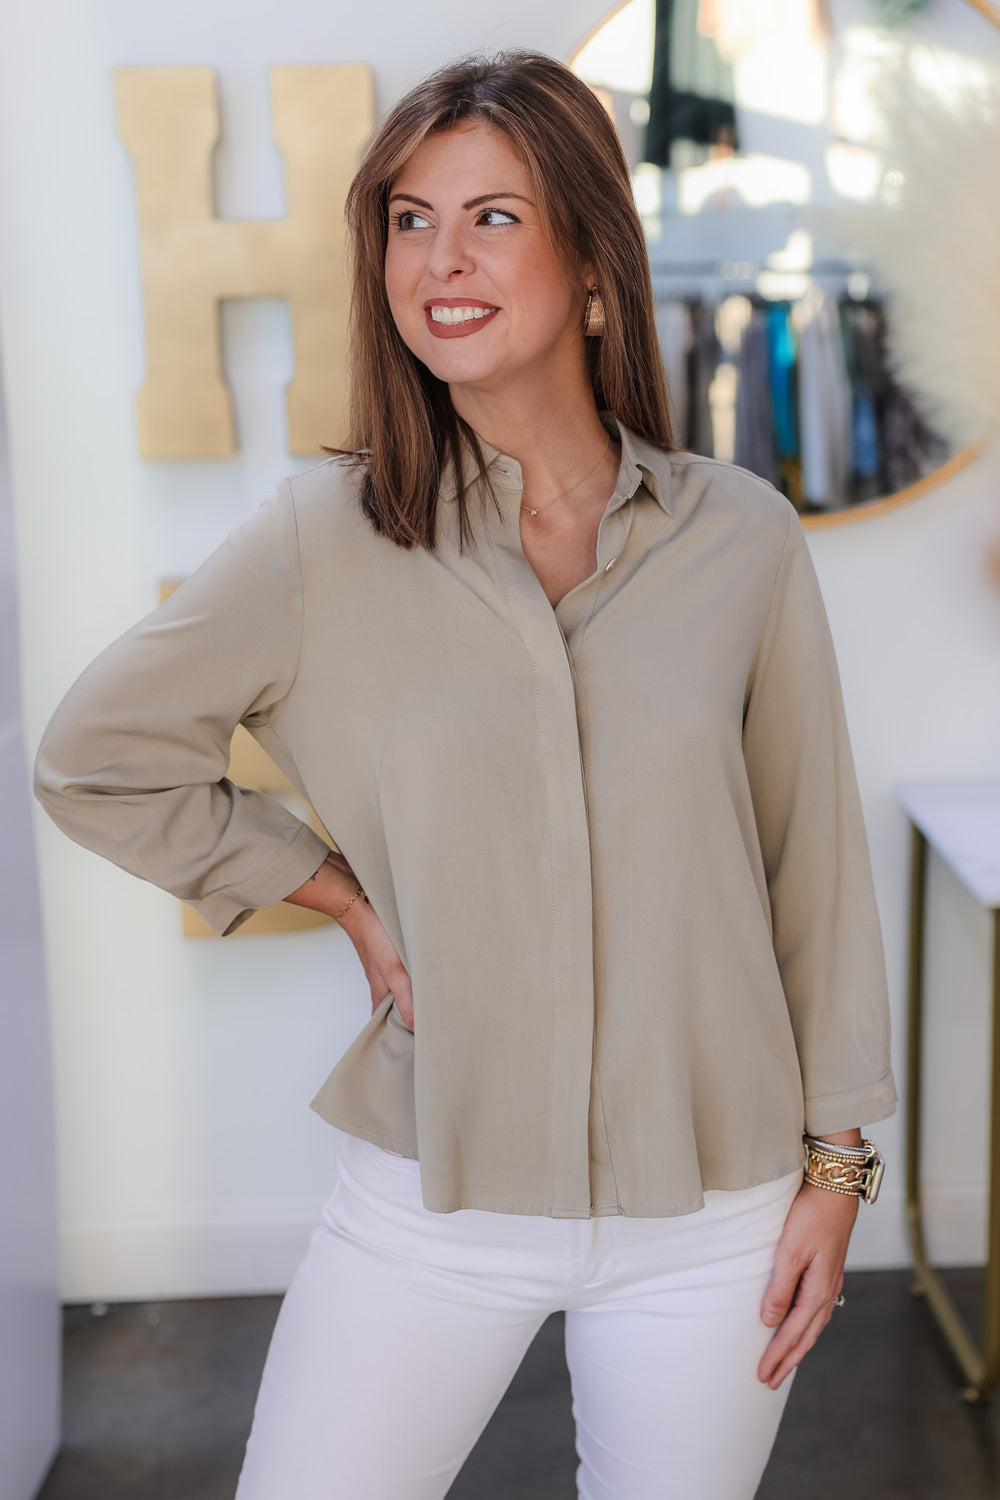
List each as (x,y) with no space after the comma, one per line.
(457,320)
(459,314)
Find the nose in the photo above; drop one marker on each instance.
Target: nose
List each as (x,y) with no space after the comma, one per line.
(451,253)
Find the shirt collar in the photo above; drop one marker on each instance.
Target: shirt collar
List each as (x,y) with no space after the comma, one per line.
(641,463)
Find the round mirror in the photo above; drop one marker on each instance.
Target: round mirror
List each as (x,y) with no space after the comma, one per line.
(772,145)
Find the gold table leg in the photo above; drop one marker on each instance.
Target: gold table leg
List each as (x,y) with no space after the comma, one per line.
(982,1371)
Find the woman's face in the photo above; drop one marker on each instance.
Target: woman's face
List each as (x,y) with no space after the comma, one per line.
(476,290)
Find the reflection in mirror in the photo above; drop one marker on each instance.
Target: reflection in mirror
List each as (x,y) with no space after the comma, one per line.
(761,162)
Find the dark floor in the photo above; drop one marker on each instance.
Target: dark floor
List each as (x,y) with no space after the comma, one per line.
(158,1398)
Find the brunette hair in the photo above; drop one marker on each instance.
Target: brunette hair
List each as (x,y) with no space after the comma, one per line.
(403,429)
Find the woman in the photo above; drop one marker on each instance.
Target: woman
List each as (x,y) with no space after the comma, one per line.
(565,697)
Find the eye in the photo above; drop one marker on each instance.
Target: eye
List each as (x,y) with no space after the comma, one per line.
(408,219)
(499,216)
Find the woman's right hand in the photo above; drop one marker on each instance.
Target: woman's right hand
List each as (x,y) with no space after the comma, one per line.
(384,969)
(329,890)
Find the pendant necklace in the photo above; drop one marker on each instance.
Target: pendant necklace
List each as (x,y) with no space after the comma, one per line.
(532,511)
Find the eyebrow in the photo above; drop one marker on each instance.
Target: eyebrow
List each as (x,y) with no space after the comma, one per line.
(472,203)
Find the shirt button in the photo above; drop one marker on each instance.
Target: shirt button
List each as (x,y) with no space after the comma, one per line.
(610,565)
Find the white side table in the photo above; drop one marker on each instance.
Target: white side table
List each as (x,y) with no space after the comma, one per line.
(960,820)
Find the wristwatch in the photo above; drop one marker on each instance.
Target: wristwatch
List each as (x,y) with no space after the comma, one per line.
(855,1170)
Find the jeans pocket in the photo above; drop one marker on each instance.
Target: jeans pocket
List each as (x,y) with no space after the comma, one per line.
(382,1180)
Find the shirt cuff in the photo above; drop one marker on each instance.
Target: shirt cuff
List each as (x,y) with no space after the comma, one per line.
(827,1114)
(227,909)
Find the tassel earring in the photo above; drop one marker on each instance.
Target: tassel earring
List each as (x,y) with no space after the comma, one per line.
(593,318)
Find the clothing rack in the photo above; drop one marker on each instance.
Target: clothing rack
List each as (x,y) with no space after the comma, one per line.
(733,269)
(757,413)
(719,278)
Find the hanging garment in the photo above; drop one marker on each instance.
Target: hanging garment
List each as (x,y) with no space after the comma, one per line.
(858,323)
(731,319)
(676,335)
(781,351)
(691,95)
(754,448)
(909,448)
(824,396)
(702,366)
(866,444)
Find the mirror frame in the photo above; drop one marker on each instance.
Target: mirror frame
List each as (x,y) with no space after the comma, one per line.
(864,509)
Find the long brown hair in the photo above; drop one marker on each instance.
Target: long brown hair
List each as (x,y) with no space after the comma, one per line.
(403,430)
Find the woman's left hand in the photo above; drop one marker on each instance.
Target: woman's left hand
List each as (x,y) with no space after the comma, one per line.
(807,1277)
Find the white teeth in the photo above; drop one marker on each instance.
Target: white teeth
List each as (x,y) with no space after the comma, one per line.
(458,314)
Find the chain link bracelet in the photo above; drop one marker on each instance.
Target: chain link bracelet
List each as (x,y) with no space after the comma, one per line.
(345,909)
(853,1170)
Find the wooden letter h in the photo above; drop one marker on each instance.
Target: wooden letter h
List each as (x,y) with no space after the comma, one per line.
(168,118)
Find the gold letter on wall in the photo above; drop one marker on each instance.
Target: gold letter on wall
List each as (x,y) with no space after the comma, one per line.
(168,119)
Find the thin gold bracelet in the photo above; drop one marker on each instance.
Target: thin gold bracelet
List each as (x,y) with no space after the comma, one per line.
(345,909)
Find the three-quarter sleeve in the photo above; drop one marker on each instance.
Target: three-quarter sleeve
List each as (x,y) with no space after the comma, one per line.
(826,932)
(133,762)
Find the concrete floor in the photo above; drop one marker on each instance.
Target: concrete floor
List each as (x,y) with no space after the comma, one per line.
(158,1398)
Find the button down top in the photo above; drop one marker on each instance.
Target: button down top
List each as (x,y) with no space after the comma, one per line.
(617,842)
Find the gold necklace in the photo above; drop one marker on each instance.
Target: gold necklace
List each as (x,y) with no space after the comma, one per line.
(532,511)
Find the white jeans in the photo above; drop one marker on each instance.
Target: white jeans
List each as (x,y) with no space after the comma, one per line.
(402,1329)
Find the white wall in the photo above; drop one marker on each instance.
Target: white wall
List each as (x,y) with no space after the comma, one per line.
(190,1162)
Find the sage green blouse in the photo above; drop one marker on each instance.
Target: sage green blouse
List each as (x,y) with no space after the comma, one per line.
(617,843)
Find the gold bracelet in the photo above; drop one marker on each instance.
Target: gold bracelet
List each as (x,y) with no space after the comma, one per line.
(853,1170)
(345,909)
